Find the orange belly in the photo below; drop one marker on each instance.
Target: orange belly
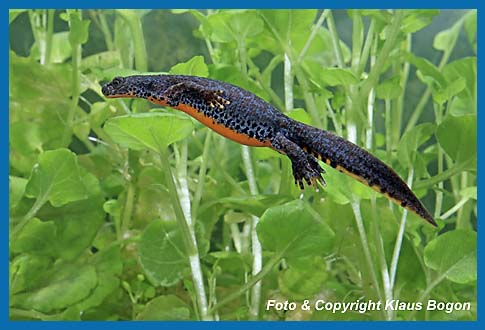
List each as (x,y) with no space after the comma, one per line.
(221,129)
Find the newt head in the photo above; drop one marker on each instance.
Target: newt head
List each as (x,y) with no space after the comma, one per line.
(118,87)
(142,86)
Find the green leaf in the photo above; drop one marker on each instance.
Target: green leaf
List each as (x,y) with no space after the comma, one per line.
(234,26)
(37,237)
(60,48)
(458,137)
(304,278)
(426,68)
(463,69)
(446,39)
(233,75)
(337,76)
(57,178)
(300,115)
(195,67)
(16,190)
(69,284)
(13,13)
(167,307)
(442,95)
(287,28)
(79,29)
(389,89)
(102,60)
(255,205)
(469,192)
(153,130)
(415,20)
(108,266)
(293,230)
(463,107)
(70,228)
(407,149)
(162,252)
(453,255)
(27,272)
(470,25)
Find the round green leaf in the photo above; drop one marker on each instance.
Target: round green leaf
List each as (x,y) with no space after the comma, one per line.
(57,178)
(162,252)
(69,284)
(407,150)
(152,130)
(447,38)
(337,76)
(195,67)
(36,237)
(458,137)
(389,89)
(16,189)
(453,255)
(417,19)
(234,26)
(168,307)
(303,278)
(293,230)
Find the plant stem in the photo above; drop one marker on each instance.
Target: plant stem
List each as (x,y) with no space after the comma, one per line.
(439,192)
(267,88)
(312,36)
(251,282)
(184,220)
(365,246)
(387,103)
(369,41)
(335,40)
(446,174)
(399,110)
(49,35)
(400,234)
(370,119)
(373,76)
(357,41)
(75,90)
(454,209)
(288,83)
(386,283)
(29,215)
(106,32)
(331,114)
(256,248)
(425,97)
(128,208)
(134,22)
(429,288)
(307,96)
(202,174)
(288,88)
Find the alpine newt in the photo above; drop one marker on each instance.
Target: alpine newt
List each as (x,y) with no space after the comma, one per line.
(247,119)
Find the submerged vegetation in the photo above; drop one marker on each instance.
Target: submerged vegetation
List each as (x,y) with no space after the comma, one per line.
(123,211)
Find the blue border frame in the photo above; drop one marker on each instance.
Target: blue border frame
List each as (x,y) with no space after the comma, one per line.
(4,321)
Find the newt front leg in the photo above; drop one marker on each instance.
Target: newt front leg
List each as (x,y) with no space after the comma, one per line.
(186,92)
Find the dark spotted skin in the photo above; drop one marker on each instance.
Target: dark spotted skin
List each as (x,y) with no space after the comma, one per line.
(245,118)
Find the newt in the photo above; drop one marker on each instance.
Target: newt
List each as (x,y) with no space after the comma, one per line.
(243,117)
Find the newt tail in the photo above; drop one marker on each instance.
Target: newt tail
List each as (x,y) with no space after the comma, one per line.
(247,119)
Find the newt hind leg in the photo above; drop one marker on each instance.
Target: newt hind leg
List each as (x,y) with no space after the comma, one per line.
(305,166)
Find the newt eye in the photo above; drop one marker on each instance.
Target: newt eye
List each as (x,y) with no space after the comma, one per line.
(117,82)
